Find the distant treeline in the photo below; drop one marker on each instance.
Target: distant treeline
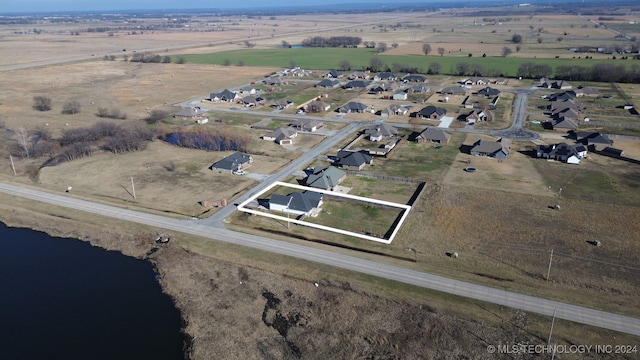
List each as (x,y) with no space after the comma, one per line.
(595,73)
(334,41)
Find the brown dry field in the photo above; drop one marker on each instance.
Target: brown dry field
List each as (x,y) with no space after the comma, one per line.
(498,218)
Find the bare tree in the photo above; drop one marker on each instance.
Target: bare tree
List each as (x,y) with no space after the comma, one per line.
(24,140)
(344,65)
(506,51)
(156,116)
(71,107)
(376,64)
(42,103)
(559,38)
(434,68)
(426,48)
(441,51)
(382,47)
(394,45)
(518,47)
(516,38)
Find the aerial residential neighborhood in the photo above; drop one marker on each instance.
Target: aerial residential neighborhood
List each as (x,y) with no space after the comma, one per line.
(331,181)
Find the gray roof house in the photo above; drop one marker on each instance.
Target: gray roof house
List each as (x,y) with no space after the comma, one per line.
(382,131)
(355,84)
(385,75)
(224,95)
(581,91)
(498,149)
(233,162)
(488,92)
(326,178)
(476,80)
(186,113)
(595,140)
(431,112)
(394,109)
(454,90)
(281,135)
(565,123)
(352,160)
(401,95)
(353,107)
(434,135)
(333,74)
(414,78)
(305,203)
(328,83)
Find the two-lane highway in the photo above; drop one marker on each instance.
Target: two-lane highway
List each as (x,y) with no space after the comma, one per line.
(565,311)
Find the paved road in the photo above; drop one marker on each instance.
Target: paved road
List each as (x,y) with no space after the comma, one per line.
(565,311)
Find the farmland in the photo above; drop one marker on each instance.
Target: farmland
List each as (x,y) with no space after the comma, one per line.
(502,220)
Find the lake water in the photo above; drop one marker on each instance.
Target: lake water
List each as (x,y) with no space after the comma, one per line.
(65,299)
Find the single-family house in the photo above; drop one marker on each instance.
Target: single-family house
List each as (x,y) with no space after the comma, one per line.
(560,152)
(187,113)
(275,80)
(479,115)
(560,105)
(587,91)
(434,135)
(352,160)
(501,81)
(297,203)
(328,84)
(385,76)
(499,149)
(353,107)
(224,95)
(431,112)
(418,89)
(251,100)
(358,75)
(400,96)
(454,90)
(281,104)
(594,140)
(488,92)
(317,106)
(565,95)
(333,74)
(380,132)
(233,162)
(394,109)
(281,135)
(564,124)
(417,78)
(355,85)
(326,178)
(310,125)
(475,80)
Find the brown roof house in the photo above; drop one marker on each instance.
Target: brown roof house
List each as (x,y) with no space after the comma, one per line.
(317,106)
(499,149)
(434,135)
(310,125)
(187,113)
(282,135)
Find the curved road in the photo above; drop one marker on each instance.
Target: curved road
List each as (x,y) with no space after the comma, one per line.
(565,311)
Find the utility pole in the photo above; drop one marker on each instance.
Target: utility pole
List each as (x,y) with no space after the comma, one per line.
(553,320)
(133,188)
(13,166)
(289,203)
(549,269)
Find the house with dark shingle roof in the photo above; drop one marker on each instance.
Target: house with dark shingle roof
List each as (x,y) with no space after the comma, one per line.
(497,149)
(224,95)
(594,140)
(565,95)
(560,152)
(431,112)
(317,106)
(233,162)
(582,91)
(564,123)
(352,160)
(488,92)
(385,76)
(414,78)
(333,74)
(355,84)
(310,125)
(306,203)
(434,135)
(328,84)
(353,107)
(326,178)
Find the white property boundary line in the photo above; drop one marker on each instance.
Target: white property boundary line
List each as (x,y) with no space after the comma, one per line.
(406,208)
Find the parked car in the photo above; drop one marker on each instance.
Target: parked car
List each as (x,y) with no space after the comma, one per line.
(239,172)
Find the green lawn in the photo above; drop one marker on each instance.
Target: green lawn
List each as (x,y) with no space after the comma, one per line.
(359,58)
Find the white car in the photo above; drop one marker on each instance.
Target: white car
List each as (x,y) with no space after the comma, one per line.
(239,172)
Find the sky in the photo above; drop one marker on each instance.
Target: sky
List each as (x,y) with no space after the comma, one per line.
(100,5)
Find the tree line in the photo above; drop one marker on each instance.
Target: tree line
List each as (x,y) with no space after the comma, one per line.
(334,41)
(206,139)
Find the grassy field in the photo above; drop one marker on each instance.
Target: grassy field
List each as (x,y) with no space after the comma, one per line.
(329,58)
